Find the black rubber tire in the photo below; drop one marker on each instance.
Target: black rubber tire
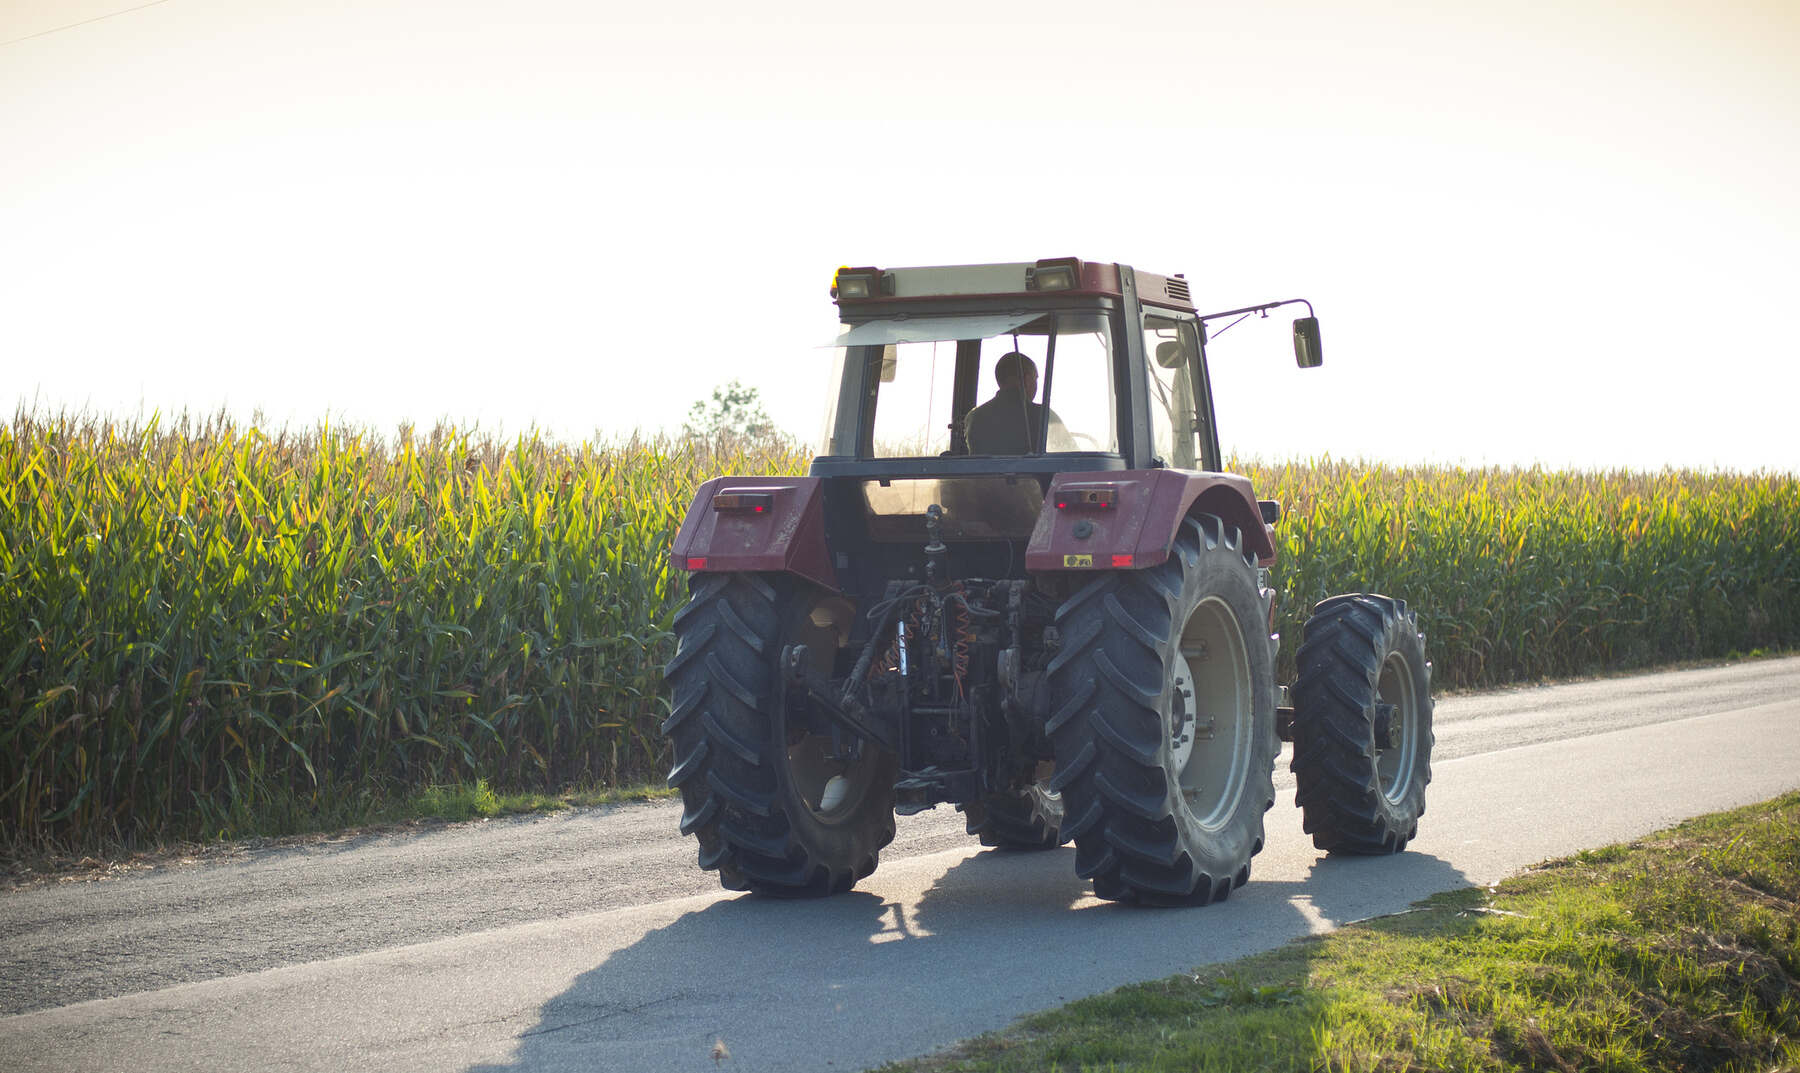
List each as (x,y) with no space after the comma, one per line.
(1360,796)
(1025,819)
(739,770)
(1136,832)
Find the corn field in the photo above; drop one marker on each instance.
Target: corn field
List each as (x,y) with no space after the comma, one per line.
(1520,575)
(194,615)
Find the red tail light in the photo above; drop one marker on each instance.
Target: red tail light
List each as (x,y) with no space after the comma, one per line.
(744,502)
(1085,497)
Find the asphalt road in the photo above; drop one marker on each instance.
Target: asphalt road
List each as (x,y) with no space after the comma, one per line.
(591,941)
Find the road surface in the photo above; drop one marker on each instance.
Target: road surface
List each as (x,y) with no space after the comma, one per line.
(589,940)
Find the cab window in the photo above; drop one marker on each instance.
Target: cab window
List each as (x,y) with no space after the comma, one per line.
(1172,346)
(921,393)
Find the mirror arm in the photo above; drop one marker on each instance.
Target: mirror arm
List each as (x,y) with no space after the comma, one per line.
(1264,308)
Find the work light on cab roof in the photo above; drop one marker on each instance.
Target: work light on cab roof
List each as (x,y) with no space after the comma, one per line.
(1018,580)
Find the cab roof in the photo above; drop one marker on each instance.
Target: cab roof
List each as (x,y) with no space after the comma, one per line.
(868,287)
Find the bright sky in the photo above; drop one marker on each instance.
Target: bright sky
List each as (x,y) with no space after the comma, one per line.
(1558,232)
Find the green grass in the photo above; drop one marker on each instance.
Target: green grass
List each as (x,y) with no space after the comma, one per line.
(470,801)
(449,802)
(349,808)
(1679,952)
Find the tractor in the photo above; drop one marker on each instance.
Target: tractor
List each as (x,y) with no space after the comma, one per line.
(1049,609)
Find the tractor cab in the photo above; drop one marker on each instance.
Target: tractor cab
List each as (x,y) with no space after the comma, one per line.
(972,387)
(922,349)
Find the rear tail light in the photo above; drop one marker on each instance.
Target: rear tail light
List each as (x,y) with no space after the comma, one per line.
(743,502)
(1086,497)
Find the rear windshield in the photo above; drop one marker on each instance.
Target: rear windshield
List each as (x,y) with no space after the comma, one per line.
(1024,382)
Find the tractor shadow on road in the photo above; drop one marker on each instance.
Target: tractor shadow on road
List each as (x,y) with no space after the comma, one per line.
(849,982)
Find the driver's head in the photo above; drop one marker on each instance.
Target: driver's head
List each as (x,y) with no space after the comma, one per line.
(1015,370)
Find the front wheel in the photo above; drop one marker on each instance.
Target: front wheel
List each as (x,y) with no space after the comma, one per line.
(776,808)
(1165,732)
(1362,725)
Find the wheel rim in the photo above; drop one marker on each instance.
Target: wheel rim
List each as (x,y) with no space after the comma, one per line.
(811,764)
(1394,764)
(1210,713)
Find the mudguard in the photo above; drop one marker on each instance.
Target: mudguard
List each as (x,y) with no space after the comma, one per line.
(774,524)
(1127,519)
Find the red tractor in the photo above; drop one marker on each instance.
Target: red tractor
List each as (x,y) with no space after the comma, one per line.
(1053,613)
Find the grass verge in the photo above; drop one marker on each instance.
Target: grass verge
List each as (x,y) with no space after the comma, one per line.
(1680,952)
(274,818)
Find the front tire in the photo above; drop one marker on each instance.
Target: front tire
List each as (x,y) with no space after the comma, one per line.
(1362,725)
(1165,737)
(758,787)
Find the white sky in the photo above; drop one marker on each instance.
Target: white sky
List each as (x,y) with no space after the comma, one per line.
(1560,232)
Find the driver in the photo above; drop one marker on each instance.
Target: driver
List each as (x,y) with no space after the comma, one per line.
(1007,424)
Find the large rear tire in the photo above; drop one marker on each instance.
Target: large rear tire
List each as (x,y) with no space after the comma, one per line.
(753,782)
(1165,734)
(1362,725)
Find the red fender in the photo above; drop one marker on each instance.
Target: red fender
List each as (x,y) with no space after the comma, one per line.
(775,524)
(1129,518)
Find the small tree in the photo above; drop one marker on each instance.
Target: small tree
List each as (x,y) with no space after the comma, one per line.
(735,414)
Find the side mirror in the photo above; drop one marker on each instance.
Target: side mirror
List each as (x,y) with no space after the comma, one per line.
(1306,343)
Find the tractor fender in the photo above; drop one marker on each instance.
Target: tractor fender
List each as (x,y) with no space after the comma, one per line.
(1128,519)
(766,524)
